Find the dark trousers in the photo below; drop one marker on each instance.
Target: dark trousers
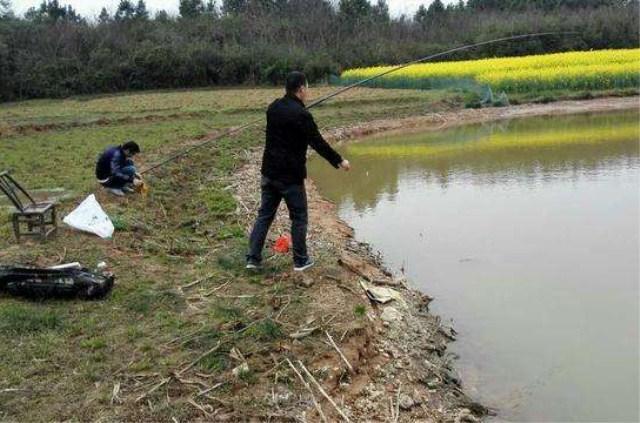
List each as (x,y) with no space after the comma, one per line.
(295,196)
(117,182)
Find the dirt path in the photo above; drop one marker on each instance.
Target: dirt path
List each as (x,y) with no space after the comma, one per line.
(401,368)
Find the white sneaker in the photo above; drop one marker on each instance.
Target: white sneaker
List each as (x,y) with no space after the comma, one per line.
(253,265)
(115,191)
(309,263)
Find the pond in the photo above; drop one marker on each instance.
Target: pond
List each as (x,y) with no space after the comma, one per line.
(527,234)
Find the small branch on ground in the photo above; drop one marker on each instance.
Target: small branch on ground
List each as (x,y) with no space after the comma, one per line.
(217,288)
(199,407)
(398,403)
(214,387)
(323,392)
(197,360)
(189,285)
(340,353)
(152,390)
(306,385)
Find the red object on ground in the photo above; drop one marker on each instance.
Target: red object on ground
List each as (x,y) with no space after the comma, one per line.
(282,244)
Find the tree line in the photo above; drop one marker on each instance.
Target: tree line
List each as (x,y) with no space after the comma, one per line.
(53,51)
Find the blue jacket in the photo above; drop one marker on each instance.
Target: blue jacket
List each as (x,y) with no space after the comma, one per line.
(110,164)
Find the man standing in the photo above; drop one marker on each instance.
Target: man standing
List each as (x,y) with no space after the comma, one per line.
(115,169)
(290,130)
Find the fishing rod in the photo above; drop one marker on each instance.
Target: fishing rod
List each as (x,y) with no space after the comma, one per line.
(233,131)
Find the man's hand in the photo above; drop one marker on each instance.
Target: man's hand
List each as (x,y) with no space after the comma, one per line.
(345,165)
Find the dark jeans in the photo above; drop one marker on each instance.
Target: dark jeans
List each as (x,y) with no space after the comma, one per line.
(295,196)
(117,182)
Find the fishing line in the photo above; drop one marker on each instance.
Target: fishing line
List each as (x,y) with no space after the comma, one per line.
(233,131)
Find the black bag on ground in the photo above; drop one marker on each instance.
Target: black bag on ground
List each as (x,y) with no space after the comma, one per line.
(50,283)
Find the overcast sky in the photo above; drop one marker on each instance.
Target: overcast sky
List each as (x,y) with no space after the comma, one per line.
(89,8)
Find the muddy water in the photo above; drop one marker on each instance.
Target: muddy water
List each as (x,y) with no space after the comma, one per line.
(527,234)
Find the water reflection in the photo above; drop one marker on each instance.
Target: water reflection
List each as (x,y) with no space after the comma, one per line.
(483,154)
(527,234)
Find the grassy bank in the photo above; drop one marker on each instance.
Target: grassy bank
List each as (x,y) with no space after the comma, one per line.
(90,360)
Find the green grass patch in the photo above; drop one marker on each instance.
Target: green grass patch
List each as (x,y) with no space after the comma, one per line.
(265,331)
(204,341)
(218,202)
(215,363)
(248,376)
(230,231)
(93,344)
(142,300)
(233,259)
(19,319)
(120,223)
(226,313)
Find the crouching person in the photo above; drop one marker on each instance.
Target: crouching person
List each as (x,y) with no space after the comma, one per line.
(116,171)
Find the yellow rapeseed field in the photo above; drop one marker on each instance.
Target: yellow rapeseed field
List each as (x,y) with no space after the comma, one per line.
(579,70)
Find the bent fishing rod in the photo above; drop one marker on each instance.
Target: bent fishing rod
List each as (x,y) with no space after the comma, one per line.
(235,130)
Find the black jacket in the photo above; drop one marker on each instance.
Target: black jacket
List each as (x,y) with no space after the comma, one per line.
(290,129)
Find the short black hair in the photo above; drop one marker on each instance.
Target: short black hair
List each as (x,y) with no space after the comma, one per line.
(132,146)
(295,80)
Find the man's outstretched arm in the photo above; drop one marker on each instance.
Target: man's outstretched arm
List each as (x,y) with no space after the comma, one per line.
(318,143)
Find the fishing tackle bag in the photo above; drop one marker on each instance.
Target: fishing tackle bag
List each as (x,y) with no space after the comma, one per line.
(51,283)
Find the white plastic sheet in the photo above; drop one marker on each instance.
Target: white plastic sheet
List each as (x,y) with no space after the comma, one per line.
(381,294)
(90,217)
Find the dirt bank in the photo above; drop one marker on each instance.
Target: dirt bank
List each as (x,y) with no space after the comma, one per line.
(395,365)
(398,368)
